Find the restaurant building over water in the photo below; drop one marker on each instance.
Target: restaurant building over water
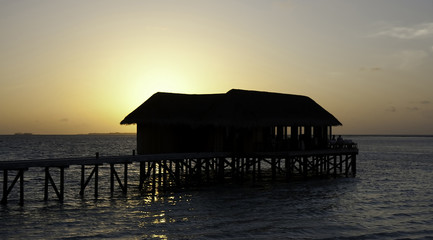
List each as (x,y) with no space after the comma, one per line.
(238,121)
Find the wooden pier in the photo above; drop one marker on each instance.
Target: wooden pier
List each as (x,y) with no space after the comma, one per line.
(160,171)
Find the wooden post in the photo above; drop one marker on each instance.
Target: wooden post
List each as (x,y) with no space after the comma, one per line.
(47,173)
(96,180)
(112,178)
(335,166)
(274,168)
(125,178)
(287,166)
(164,174)
(7,190)
(354,165)
(242,168)
(21,172)
(207,170)
(62,184)
(142,172)
(221,169)
(48,179)
(305,167)
(96,176)
(83,168)
(5,187)
(198,166)
(177,171)
(159,173)
(328,160)
(259,170)
(254,169)
(233,165)
(154,178)
(346,166)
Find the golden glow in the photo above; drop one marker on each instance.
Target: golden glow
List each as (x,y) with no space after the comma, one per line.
(79,67)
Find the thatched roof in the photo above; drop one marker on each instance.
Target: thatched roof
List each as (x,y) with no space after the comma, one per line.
(234,108)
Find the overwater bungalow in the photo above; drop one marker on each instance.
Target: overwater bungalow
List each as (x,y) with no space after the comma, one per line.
(187,139)
(238,121)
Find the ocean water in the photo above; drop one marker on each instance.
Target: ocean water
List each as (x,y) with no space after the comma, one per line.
(390,198)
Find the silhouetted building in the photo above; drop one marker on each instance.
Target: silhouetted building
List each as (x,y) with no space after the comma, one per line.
(237,121)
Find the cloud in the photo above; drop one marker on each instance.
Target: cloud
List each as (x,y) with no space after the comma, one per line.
(64,120)
(375,69)
(371,69)
(425,102)
(417,31)
(412,109)
(410,59)
(391,109)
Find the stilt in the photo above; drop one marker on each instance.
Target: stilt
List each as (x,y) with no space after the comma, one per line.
(21,176)
(254,170)
(274,168)
(113,174)
(177,172)
(48,179)
(95,172)
(305,167)
(7,190)
(346,166)
(96,169)
(154,178)
(142,175)
(335,166)
(207,170)
(5,187)
(164,174)
(288,168)
(259,171)
(221,169)
(83,168)
(353,165)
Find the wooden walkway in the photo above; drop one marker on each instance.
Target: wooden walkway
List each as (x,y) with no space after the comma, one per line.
(180,169)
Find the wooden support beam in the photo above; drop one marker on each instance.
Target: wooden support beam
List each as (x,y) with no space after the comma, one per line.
(21,173)
(335,166)
(7,189)
(142,175)
(354,165)
(60,192)
(288,167)
(254,169)
(113,174)
(84,184)
(177,171)
(305,166)
(221,162)
(154,178)
(207,169)
(259,170)
(274,168)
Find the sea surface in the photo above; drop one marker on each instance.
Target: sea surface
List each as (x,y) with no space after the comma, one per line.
(390,198)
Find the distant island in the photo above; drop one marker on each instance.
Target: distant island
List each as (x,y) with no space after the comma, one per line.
(112,133)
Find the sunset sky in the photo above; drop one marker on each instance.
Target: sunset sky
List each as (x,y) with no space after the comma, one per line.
(77,66)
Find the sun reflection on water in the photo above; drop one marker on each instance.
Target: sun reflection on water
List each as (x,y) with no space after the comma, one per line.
(160,236)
